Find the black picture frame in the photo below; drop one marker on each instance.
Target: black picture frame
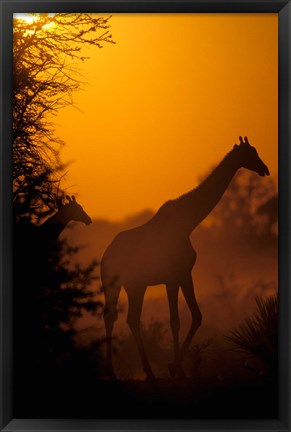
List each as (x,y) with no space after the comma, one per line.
(283,9)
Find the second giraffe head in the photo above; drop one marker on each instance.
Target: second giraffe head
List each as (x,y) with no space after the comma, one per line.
(76,211)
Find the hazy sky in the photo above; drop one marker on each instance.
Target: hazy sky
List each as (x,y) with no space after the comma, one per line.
(166,103)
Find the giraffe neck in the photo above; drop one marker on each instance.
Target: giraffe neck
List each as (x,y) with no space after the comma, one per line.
(196,205)
(54,225)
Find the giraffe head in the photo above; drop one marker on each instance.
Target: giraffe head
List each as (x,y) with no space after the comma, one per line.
(248,157)
(76,212)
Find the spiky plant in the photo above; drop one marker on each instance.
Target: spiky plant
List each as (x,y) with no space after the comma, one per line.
(258,334)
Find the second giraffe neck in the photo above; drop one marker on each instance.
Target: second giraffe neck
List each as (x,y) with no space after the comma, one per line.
(56,224)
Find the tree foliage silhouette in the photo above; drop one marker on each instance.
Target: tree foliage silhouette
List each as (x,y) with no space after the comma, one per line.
(45,76)
(51,287)
(239,209)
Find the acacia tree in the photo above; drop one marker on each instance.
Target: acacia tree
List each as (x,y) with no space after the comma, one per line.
(46,49)
(50,292)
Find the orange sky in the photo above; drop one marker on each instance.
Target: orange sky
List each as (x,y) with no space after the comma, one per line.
(166,103)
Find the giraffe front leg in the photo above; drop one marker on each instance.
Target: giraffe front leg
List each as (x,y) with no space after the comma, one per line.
(133,320)
(111,292)
(175,368)
(188,291)
(109,323)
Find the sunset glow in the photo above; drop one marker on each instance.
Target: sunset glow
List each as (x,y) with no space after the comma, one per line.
(31,18)
(145,213)
(166,103)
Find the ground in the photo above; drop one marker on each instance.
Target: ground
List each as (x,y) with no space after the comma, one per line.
(64,397)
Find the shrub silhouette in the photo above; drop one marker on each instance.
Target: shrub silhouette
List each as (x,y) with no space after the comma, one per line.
(258,334)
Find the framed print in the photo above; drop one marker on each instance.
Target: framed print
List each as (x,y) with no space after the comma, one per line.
(145,215)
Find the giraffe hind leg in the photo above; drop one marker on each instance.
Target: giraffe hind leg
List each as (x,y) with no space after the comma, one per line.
(188,291)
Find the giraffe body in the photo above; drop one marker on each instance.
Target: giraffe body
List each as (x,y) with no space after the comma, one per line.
(160,252)
(149,255)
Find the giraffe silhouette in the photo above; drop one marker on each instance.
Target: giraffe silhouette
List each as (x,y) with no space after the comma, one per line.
(35,247)
(160,252)
(36,252)
(51,229)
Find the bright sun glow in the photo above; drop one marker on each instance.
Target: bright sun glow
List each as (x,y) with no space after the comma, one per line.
(30,18)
